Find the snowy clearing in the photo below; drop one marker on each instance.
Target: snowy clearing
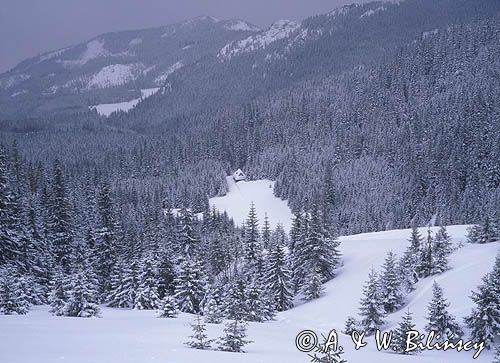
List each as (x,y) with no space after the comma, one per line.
(241,195)
(123,336)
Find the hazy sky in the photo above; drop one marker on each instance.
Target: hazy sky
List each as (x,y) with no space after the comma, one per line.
(29,27)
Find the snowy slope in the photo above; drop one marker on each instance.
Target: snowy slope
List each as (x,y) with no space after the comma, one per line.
(106,109)
(124,336)
(241,195)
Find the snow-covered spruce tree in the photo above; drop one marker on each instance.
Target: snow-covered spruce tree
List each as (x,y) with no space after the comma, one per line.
(168,307)
(439,320)
(234,339)
(390,284)
(235,300)
(187,238)
(190,286)
(496,359)
(484,321)
(298,249)
(407,272)
(9,235)
(147,294)
(426,259)
(371,309)
(259,307)
(485,232)
(106,239)
(322,254)
(416,243)
(199,339)
(213,309)
(398,342)
(441,249)
(252,245)
(313,287)
(266,233)
(59,292)
(60,229)
(81,300)
(14,294)
(279,236)
(351,324)
(125,294)
(165,274)
(278,279)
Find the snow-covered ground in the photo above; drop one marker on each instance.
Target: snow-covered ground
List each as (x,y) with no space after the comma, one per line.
(241,195)
(123,336)
(106,109)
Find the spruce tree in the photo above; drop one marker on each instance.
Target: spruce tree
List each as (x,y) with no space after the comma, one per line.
(168,307)
(484,321)
(398,342)
(190,286)
(60,224)
(439,320)
(213,309)
(253,250)
(485,232)
(124,294)
(351,325)
(106,239)
(278,279)
(187,238)
(234,339)
(81,297)
(407,272)
(9,236)
(14,293)
(371,310)
(426,260)
(259,307)
(236,300)
(266,233)
(147,297)
(390,285)
(313,287)
(59,293)
(199,339)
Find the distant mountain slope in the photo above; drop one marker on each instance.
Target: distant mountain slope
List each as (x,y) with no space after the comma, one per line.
(207,63)
(112,67)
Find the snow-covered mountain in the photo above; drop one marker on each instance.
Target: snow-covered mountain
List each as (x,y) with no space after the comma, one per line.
(227,61)
(115,66)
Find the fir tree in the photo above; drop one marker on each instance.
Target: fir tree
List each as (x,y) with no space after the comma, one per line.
(390,285)
(168,307)
(371,310)
(147,294)
(313,287)
(236,300)
(486,232)
(124,294)
(484,321)
(59,293)
(234,339)
(9,238)
(426,260)
(199,339)
(258,306)
(60,225)
(439,320)
(441,249)
(351,325)
(187,239)
(416,243)
(266,233)
(166,274)
(279,280)
(14,293)
(190,287)
(407,272)
(213,309)
(253,250)
(398,342)
(81,298)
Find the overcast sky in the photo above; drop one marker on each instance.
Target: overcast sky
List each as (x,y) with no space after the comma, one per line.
(29,27)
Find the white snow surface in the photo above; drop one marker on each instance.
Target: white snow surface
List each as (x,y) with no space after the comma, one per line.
(277,31)
(13,80)
(239,25)
(170,70)
(107,109)
(115,75)
(241,195)
(128,336)
(94,49)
